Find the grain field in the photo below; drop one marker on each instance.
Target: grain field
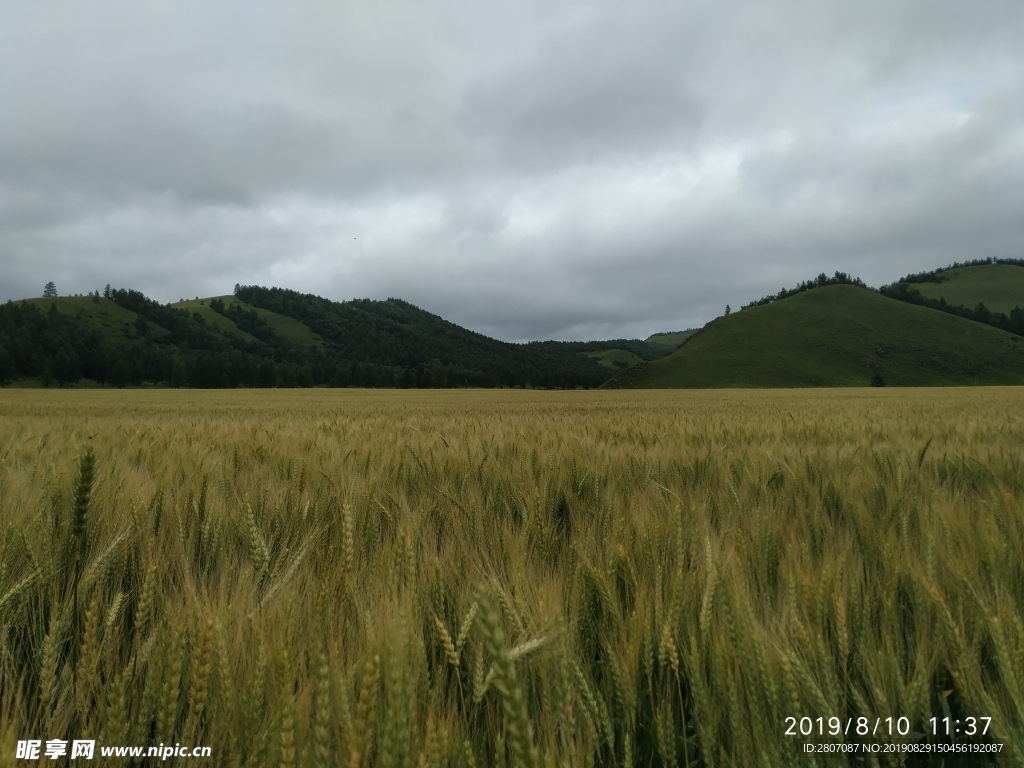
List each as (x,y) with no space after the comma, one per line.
(512,578)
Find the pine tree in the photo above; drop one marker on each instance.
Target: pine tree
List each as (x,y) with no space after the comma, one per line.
(50,290)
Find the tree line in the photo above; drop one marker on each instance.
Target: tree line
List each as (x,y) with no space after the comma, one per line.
(839,278)
(938,276)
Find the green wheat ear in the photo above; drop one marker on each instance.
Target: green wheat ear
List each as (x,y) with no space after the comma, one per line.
(517,718)
(83,495)
(79,518)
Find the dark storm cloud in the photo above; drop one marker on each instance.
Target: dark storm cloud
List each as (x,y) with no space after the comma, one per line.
(528,170)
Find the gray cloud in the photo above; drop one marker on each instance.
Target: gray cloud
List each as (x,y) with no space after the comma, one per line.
(526,170)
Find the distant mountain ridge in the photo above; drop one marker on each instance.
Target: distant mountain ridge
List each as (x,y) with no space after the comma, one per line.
(265,337)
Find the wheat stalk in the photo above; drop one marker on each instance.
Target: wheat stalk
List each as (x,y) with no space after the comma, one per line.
(362,726)
(168,706)
(79,535)
(321,750)
(287,698)
(199,693)
(517,719)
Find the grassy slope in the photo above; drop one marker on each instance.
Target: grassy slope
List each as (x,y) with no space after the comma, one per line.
(671,339)
(111,317)
(1000,287)
(836,336)
(104,314)
(285,327)
(608,357)
(202,308)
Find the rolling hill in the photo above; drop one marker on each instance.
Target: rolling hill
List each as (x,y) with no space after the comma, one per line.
(263,337)
(828,332)
(104,316)
(1000,287)
(395,333)
(838,335)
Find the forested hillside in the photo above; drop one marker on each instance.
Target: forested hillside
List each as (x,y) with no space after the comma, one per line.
(265,337)
(124,338)
(430,350)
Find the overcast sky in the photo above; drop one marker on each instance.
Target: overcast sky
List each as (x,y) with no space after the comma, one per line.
(525,169)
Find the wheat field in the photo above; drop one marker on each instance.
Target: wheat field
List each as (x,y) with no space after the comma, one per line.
(511,578)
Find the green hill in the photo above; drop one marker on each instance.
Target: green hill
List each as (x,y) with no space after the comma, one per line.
(264,337)
(1000,287)
(285,327)
(427,350)
(124,338)
(103,315)
(839,335)
(671,339)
